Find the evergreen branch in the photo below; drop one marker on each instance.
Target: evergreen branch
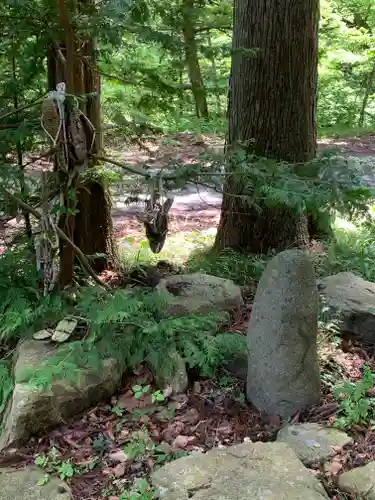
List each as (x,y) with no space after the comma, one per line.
(126,81)
(7,126)
(144,173)
(80,255)
(36,101)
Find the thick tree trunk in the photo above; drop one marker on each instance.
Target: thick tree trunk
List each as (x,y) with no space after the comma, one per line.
(192,60)
(272,108)
(90,228)
(93,225)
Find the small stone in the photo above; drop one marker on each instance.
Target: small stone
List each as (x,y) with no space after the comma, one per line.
(359,481)
(348,301)
(176,381)
(313,442)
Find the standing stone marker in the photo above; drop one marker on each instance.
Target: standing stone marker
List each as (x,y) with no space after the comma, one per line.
(283,370)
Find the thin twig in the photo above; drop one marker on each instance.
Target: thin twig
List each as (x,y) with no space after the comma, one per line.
(80,255)
(129,168)
(43,155)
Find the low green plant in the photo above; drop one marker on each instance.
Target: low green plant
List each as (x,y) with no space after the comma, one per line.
(101,443)
(228,385)
(21,309)
(6,384)
(351,249)
(141,446)
(52,464)
(128,327)
(237,266)
(138,448)
(157,396)
(356,407)
(140,390)
(141,490)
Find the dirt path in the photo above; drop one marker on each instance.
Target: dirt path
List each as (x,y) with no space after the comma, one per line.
(197,208)
(194,208)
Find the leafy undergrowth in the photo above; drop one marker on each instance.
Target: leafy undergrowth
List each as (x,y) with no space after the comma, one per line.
(352,248)
(113,448)
(109,452)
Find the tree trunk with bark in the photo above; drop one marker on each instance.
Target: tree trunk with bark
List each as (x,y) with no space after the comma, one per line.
(272,109)
(90,227)
(192,60)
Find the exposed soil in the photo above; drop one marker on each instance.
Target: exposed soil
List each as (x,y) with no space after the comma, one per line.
(184,148)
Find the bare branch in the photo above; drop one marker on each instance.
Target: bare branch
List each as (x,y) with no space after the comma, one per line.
(224,28)
(129,168)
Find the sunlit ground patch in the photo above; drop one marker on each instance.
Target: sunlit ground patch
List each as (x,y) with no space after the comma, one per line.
(177,249)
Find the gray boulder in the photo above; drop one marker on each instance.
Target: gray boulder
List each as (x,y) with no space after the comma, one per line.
(198,293)
(349,302)
(31,410)
(255,471)
(359,481)
(283,371)
(313,442)
(29,484)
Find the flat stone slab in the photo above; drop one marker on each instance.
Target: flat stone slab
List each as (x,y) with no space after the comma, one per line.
(313,442)
(197,293)
(359,481)
(22,484)
(248,471)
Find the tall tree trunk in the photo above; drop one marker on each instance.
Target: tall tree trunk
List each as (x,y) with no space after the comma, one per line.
(192,60)
(93,231)
(90,228)
(214,73)
(368,91)
(272,108)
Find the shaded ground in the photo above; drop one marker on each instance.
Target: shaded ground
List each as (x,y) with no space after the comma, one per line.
(110,445)
(114,443)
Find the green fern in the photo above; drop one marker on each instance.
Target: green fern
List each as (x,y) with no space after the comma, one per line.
(6,384)
(127,327)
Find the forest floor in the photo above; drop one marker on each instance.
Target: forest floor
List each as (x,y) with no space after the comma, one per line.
(103,451)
